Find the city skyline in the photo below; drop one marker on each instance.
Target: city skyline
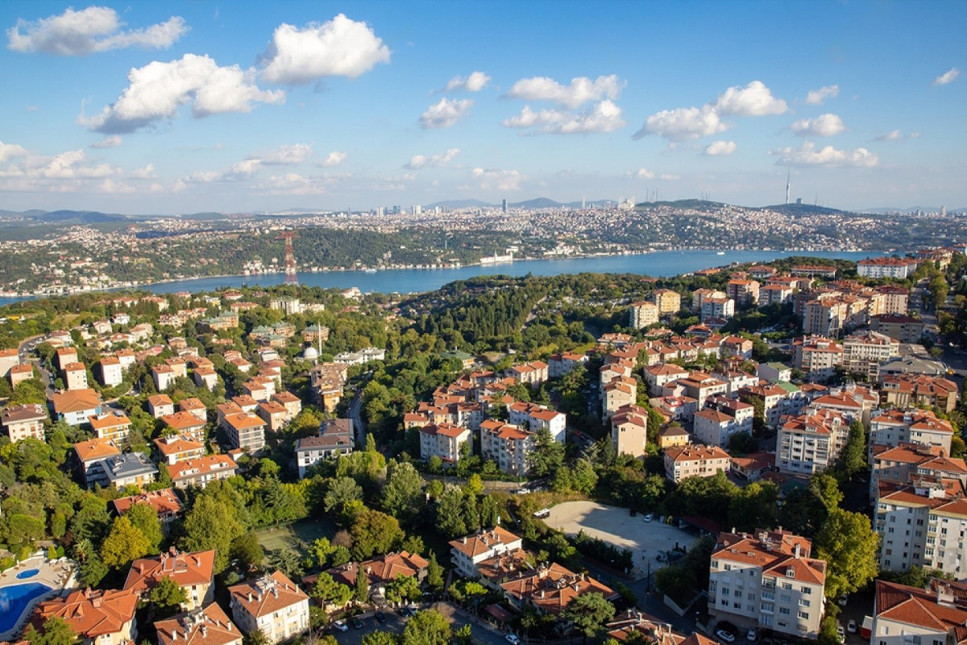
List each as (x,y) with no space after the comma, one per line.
(177,107)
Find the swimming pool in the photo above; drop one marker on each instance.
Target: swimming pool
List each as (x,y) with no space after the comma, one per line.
(15,599)
(28,573)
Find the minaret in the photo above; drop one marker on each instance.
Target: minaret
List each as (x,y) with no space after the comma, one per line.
(788,175)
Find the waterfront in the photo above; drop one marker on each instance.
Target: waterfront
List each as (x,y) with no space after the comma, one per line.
(658,264)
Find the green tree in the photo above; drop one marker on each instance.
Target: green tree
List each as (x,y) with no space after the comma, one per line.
(329,592)
(403,492)
(380,638)
(167,596)
(547,456)
(427,627)
(849,545)
(342,491)
(145,519)
(247,549)
(853,458)
(434,573)
(361,589)
(54,631)
(211,524)
(374,532)
(449,513)
(588,613)
(123,544)
(403,589)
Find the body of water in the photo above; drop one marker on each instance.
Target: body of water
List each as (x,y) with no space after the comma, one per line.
(659,264)
(15,599)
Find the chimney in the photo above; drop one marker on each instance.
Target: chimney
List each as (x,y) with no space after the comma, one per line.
(797,551)
(174,634)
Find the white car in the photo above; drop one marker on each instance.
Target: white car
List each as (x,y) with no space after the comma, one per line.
(512,639)
(851,626)
(341,625)
(724,635)
(649,517)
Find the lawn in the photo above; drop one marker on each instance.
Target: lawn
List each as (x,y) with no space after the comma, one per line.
(293,536)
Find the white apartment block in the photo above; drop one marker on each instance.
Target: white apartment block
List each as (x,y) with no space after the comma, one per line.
(817,356)
(809,444)
(695,461)
(714,428)
(893,427)
(506,445)
(717,308)
(537,417)
(443,440)
(903,615)
(899,268)
(641,314)
(767,581)
(273,605)
(863,352)
(468,551)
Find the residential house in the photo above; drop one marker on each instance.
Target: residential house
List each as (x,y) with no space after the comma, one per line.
(672,437)
(113,424)
(695,460)
(175,448)
(75,407)
(272,604)
(201,470)
(629,430)
(192,572)
(22,421)
(102,617)
(129,469)
(468,552)
(110,370)
(550,588)
(767,580)
(335,438)
(159,405)
(443,440)
(164,502)
(203,626)
(90,456)
(381,571)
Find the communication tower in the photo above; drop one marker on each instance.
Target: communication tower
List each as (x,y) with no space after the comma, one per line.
(290,274)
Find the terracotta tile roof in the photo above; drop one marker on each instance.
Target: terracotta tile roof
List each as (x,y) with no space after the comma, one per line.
(208,626)
(187,569)
(914,606)
(164,502)
(483,541)
(553,587)
(266,595)
(75,401)
(95,448)
(182,420)
(194,468)
(91,614)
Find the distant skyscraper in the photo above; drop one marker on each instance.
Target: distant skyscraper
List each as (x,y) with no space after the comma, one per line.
(503,205)
(788,175)
(583,204)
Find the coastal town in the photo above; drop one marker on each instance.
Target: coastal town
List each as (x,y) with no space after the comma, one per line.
(767,452)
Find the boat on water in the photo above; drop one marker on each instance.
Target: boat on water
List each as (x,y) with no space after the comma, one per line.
(720,253)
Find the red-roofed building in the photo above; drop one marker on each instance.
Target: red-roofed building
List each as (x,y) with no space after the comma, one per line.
(811,443)
(695,461)
(506,445)
(201,470)
(193,572)
(208,626)
(443,440)
(96,617)
(381,571)
(273,604)
(767,581)
(936,615)
(164,502)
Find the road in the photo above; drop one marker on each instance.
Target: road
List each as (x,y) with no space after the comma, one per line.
(480,632)
(25,349)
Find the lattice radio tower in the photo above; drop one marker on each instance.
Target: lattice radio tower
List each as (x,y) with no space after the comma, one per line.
(290,274)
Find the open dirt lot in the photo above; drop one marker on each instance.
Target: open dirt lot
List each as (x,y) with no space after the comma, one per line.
(616,526)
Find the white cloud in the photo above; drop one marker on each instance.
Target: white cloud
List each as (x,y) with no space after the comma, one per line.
(144,173)
(644,173)
(497,179)
(91,30)
(816,97)
(824,125)
(720,148)
(755,99)
(417,162)
(112,141)
(157,90)
(112,187)
(340,47)
(682,124)
(808,155)
(445,113)
(602,117)
(283,155)
(333,159)
(71,165)
(892,135)
(11,150)
(473,83)
(581,90)
(947,77)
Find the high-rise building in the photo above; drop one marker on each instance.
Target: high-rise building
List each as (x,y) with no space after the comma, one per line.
(503,205)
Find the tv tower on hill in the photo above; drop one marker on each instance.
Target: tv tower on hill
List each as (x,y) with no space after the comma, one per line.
(290,274)
(788,175)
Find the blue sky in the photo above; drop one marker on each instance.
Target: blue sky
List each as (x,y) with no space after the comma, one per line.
(177,107)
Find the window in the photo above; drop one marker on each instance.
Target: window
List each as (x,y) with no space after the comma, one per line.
(803,602)
(806,590)
(804,614)
(784,610)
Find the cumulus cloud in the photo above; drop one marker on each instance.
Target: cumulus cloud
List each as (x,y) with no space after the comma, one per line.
(602,117)
(581,90)
(144,173)
(473,83)
(333,159)
(157,90)
(283,155)
(445,113)
(816,97)
(685,123)
(809,155)
(824,125)
(682,124)
(497,179)
(892,135)
(91,30)
(69,171)
(112,141)
(9,151)
(340,47)
(720,148)
(947,77)
(643,173)
(417,162)
(111,187)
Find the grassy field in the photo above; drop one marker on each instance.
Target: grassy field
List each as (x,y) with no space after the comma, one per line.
(293,536)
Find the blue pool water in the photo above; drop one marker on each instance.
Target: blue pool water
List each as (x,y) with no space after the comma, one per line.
(14,600)
(27,573)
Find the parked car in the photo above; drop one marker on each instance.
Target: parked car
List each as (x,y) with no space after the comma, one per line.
(724,635)
(649,517)
(357,623)
(840,634)
(512,639)
(851,626)
(751,635)
(341,625)
(380,617)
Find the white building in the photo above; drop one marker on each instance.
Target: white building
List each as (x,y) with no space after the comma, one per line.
(273,604)
(506,445)
(810,444)
(468,551)
(443,440)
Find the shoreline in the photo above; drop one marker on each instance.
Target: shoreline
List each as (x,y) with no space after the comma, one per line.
(8,298)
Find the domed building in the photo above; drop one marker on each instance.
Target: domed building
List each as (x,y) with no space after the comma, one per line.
(311,354)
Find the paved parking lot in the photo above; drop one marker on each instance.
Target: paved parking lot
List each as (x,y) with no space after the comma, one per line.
(616,526)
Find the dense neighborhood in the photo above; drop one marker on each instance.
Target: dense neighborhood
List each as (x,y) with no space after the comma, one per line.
(756,452)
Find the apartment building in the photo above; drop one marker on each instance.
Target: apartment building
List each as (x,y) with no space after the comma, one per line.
(272,604)
(192,572)
(811,443)
(629,431)
(22,421)
(443,440)
(506,445)
(695,460)
(667,301)
(817,356)
(642,314)
(893,427)
(863,352)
